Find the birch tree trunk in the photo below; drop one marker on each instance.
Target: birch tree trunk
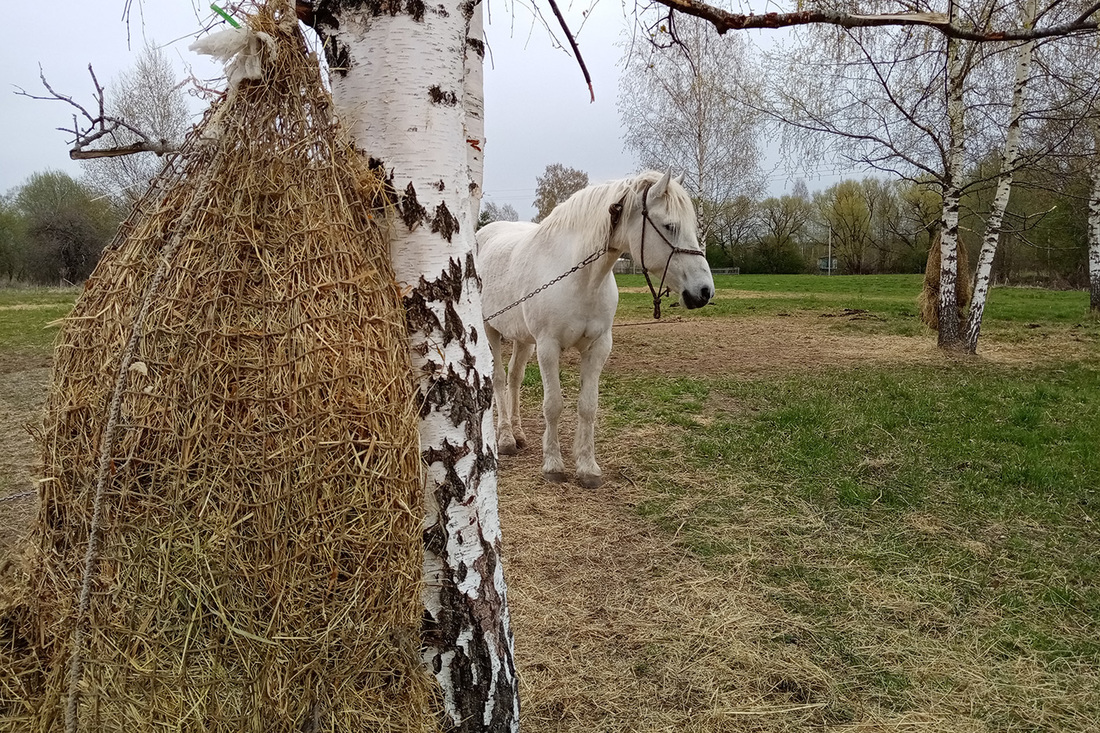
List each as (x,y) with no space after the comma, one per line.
(1009,158)
(1094,226)
(409,92)
(949,335)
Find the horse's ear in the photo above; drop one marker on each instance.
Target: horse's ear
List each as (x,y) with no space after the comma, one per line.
(660,187)
(680,179)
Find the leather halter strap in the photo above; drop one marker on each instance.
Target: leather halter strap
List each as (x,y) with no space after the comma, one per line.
(673,249)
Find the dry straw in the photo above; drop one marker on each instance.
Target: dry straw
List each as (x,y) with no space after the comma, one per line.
(928,302)
(229,536)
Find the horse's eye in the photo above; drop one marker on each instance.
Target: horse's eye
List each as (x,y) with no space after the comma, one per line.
(670,228)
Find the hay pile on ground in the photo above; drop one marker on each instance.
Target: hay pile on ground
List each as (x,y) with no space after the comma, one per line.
(928,302)
(252,501)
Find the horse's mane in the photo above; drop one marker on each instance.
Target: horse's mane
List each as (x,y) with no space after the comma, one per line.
(587,213)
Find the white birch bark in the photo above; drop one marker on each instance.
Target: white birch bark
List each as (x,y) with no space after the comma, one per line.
(474,105)
(949,336)
(402,86)
(1009,158)
(1094,226)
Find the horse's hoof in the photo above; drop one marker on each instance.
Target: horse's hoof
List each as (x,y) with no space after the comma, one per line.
(509,448)
(521,442)
(590,481)
(555,477)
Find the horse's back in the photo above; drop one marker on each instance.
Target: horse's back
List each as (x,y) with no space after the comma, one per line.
(501,261)
(498,237)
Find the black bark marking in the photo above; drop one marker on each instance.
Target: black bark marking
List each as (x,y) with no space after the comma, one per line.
(410,210)
(420,316)
(438,96)
(477,45)
(393,8)
(439,185)
(446,289)
(468,361)
(471,269)
(471,669)
(461,401)
(444,224)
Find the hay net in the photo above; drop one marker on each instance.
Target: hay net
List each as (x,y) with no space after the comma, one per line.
(259,546)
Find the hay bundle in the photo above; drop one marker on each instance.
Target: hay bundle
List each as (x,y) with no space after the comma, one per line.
(928,302)
(252,502)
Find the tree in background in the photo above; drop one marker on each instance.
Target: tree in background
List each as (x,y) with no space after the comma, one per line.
(12,241)
(846,212)
(735,228)
(492,211)
(149,98)
(783,223)
(681,100)
(66,227)
(556,184)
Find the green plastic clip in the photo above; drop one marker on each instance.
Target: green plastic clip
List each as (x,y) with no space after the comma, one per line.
(222,13)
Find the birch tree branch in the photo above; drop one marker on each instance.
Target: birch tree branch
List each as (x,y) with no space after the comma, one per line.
(99,125)
(723,21)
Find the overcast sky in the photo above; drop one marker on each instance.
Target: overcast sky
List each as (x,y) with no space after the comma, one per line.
(537,105)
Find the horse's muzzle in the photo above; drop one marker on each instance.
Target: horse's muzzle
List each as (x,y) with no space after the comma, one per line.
(697,299)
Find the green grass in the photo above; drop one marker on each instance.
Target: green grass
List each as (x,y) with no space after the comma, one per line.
(38,296)
(25,315)
(889,302)
(927,530)
(855,496)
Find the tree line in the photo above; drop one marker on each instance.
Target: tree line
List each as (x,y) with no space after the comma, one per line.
(877,225)
(53,229)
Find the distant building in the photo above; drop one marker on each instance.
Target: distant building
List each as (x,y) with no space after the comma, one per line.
(825,266)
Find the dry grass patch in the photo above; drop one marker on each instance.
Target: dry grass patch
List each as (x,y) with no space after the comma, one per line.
(777,345)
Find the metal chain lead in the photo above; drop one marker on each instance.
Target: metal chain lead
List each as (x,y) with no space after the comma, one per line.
(583,264)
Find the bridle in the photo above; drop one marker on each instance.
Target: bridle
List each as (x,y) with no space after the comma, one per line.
(673,249)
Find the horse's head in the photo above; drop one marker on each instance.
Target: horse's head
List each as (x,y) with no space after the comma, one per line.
(663,237)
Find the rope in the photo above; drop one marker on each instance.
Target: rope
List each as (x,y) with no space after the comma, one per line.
(17,497)
(76,664)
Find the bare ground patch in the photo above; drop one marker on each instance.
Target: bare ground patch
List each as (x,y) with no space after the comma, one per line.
(619,629)
(22,395)
(744,347)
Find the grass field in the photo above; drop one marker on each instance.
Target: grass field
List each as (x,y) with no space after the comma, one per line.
(813,520)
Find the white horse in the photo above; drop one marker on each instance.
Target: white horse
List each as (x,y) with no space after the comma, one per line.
(650,216)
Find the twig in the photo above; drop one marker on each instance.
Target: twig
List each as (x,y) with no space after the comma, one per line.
(576,51)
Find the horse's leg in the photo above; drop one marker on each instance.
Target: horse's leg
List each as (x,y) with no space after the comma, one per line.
(584,440)
(521,354)
(549,355)
(506,443)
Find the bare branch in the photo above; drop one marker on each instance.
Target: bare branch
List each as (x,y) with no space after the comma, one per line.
(99,125)
(723,21)
(576,51)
